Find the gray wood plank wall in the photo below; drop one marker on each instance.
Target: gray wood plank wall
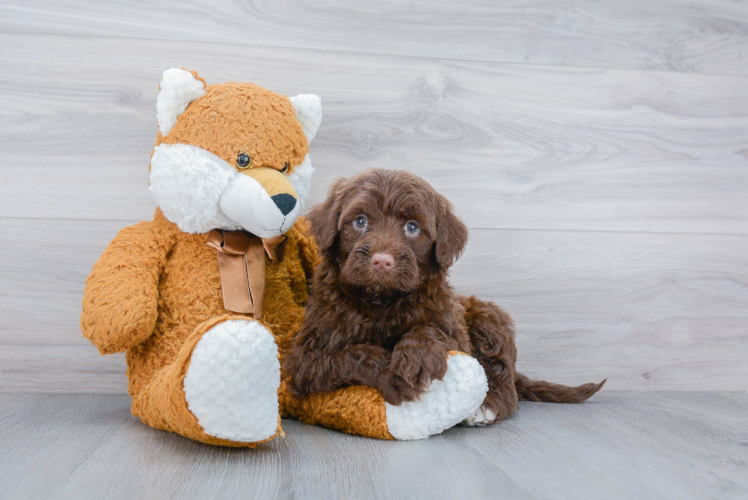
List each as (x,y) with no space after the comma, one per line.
(598,153)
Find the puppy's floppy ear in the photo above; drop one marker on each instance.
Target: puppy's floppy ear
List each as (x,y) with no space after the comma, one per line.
(325,216)
(451,233)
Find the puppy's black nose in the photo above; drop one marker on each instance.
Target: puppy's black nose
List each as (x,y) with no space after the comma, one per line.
(284,202)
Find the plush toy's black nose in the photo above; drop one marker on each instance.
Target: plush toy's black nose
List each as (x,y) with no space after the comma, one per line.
(284,202)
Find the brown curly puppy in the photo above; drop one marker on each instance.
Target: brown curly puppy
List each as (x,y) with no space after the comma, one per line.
(382,312)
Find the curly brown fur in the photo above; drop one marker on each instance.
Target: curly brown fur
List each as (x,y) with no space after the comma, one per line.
(382,312)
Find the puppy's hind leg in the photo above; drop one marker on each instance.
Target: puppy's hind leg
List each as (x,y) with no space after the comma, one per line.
(491,332)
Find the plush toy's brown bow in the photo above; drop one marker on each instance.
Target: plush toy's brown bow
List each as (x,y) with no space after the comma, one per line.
(241,258)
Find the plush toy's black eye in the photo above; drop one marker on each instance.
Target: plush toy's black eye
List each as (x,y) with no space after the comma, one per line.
(360,222)
(412,228)
(285,168)
(243,161)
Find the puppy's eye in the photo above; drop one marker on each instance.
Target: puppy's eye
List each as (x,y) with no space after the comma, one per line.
(361,222)
(285,168)
(411,228)
(243,161)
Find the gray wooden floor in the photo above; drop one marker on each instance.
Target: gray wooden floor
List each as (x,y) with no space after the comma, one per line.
(659,445)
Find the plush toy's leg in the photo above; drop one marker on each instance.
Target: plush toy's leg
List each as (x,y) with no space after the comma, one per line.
(362,410)
(221,389)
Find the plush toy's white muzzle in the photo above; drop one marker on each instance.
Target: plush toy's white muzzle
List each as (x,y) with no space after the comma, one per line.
(198,191)
(257,207)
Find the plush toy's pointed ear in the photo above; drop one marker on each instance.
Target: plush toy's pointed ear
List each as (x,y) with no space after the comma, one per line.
(178,88)
(308,109)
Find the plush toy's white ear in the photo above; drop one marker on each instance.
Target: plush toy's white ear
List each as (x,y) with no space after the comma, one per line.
(308,109)
(178,88)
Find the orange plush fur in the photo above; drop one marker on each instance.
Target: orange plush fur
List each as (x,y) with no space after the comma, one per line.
(156,290)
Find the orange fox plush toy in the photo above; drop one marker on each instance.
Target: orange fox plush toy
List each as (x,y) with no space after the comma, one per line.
(206,297)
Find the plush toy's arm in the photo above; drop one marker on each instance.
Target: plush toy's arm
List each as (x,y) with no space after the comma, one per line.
(120,299)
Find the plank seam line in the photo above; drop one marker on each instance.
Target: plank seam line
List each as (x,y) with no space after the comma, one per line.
(383,54)
(537,230)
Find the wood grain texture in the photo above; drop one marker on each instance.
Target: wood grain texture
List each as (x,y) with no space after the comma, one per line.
(62,367)
(597,152)
(704,36)
(513,146)
(592,305)
(619,445)
(648,311)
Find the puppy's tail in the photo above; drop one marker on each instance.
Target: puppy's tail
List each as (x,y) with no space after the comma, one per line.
(540,390)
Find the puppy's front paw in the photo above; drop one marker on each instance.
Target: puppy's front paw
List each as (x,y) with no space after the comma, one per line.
(396,392)
(418,366)
(444,404)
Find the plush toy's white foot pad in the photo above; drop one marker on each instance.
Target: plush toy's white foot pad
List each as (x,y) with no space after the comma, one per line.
(479,418)
(446,403)
(231,385)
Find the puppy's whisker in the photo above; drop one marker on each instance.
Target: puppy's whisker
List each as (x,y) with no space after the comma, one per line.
(363,250)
